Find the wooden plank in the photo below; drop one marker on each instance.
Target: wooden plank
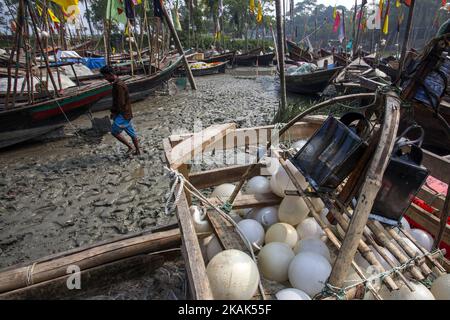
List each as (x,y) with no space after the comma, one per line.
(251,201)
(226,232)
(214,177)
(439,166)
(428,221)
(17,278)
(243,137)
(94,279)
(431,197)
(195,265)
(189,148)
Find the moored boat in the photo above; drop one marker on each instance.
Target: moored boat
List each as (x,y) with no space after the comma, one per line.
(310,83)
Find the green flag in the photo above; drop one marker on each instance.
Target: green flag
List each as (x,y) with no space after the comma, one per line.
(115,11)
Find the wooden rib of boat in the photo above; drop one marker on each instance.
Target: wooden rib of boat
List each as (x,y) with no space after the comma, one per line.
(140,87)
(226,137)
(229,56)
(310,83)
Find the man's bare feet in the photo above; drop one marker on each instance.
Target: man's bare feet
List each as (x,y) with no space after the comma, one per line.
(129,151)
(137,152)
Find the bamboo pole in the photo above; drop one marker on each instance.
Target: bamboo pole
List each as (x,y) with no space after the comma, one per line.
(10,62)
(281,43)
(20,23)
(369,190)
(355,47)
(179,47)
(52,43)
(406,39)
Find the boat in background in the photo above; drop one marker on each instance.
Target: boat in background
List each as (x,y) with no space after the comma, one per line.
(310,83)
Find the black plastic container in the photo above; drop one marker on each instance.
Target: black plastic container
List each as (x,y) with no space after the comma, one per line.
(403,178)
(333,151)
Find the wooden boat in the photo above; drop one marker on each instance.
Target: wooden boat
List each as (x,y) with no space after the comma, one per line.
(265,59)
(178,149)
(229,56)
(298,54)
(74,102)
(246,60)
(140,87)
(310,83)
(210,68)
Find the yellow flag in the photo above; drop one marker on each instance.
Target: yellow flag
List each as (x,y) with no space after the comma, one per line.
(398,4)
(259,17)
(252,6)
(334,12)
(65,4)
(50,13)
(386,25)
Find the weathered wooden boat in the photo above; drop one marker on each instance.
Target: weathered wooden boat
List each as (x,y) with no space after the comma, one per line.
(225,57)
(210,68)
(421,265)
(310,83)
(141,86)
(298,54)
(265,59)
(246,60)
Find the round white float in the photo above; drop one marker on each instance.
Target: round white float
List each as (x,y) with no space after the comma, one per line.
(423,238)
(293,210)
(258,185)
(201,224)
(309,228)
(291,294)
(252,230)
(274,259)
(441,287)
(280,181)
(267,216)
(313,245)
(282,232)
(420,293)
(233,275)
(272,164)
(309,272)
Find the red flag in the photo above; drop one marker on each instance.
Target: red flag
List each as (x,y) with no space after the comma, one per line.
(337,22)
(444,2)
(407,2)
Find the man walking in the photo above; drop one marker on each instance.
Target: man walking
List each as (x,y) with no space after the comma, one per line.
(121,112)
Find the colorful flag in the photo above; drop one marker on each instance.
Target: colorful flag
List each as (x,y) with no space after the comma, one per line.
(252,6)
(407,2)
(259,17)
(115,11)
(50,13)
(337,22)
(380,8)
(398,3)
(444,2)
(66,3)
(386,18)
(334,12)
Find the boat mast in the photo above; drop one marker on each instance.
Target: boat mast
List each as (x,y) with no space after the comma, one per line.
(281,43)
(355,47)
(406,38)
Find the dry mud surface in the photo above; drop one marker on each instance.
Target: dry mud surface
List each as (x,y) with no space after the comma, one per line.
(66,193)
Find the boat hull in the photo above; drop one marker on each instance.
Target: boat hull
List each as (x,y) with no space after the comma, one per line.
(311,83)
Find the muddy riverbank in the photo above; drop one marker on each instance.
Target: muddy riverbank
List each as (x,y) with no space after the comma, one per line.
(75,191)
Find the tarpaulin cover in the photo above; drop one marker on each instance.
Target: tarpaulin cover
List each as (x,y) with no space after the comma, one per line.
(94,63)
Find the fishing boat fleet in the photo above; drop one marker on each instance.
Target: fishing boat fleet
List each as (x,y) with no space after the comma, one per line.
(353,204)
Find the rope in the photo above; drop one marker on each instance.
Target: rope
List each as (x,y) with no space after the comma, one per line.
(339,293)
(177,181)
(30,270)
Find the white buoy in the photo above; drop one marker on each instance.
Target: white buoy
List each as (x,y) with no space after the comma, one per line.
(267,216)
(252,230)
(274,259)
(233,275)
(441,287)
(293,210)
(272,164)
(282,232)
(313,245)
(420,293)
(213,247)
(201,224)
(317,204)
(280,181)
(258,185)
(309,272)
(309,228)
(291,294)
(423,238)
(223,191)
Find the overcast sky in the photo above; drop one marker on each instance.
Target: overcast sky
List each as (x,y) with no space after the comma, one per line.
(347,3)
